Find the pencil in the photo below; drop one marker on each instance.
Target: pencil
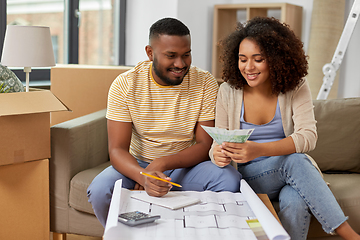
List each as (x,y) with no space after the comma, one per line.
(152,176)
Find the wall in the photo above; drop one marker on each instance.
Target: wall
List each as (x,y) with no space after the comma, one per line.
(202,28)
(140,15)
(349,80)
(198,15)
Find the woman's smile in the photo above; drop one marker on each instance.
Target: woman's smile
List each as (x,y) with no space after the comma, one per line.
(252,63)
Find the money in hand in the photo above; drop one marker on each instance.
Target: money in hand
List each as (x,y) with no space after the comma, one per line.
(221,135)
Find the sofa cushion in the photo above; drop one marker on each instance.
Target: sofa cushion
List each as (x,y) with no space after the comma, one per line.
(345,188)
(338,127)
(78,188)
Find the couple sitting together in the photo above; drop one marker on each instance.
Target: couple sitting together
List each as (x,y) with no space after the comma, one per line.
(155,112)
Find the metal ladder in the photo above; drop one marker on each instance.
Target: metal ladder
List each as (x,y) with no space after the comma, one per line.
(330,69)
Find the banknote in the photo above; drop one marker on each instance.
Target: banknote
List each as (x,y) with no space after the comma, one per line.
(221,135)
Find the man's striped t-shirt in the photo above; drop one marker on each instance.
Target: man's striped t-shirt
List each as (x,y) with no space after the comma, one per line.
(163,117)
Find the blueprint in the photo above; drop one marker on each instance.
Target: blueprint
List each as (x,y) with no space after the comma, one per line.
(216,216)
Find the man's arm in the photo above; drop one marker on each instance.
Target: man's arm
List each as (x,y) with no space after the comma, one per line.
(119,134)
(189,157)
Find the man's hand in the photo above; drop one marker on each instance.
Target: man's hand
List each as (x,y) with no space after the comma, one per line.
(154,187)
(138,187)
(157,164)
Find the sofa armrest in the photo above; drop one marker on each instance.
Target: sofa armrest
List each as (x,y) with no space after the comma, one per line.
(76,145)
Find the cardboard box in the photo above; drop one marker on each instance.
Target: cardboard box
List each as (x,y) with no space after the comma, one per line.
(24,201)
(25,125)
(83,88)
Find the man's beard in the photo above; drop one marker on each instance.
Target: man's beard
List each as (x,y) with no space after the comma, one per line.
(165,79)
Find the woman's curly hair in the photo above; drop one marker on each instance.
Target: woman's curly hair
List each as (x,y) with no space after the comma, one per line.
(278,44)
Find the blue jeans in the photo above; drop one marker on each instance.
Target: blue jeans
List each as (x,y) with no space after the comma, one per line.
(204,176)
(300,189)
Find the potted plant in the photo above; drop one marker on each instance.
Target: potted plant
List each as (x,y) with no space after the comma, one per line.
(4,88)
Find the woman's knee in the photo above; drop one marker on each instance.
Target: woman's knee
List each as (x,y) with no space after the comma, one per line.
(290,199)
(296,159)
(296,162)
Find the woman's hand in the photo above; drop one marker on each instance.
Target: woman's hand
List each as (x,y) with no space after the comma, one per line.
(220,158)
(241,152)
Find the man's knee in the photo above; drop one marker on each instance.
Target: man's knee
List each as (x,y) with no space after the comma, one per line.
(102,186)
(226,178)
(98,194)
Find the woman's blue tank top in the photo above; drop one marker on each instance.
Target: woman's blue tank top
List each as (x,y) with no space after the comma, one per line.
(269,132)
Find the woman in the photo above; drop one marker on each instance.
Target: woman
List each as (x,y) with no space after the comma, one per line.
(264,66)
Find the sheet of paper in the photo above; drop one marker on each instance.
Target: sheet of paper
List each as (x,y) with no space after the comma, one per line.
(114,207)
(171,200)
(218,215)
(269,223)
(221,135)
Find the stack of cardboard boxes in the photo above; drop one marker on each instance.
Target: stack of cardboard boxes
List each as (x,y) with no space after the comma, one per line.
(24,163)
(84,88)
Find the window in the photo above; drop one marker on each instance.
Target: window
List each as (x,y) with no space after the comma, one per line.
(82,31)
(48,13)
(96,32)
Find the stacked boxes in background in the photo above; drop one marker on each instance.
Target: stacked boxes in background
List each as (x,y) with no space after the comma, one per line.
(24,163)
(84,88)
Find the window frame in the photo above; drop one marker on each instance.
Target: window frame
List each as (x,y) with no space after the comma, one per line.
(41,76)
(3,17)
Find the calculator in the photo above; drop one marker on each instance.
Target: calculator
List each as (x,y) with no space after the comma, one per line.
(136,217)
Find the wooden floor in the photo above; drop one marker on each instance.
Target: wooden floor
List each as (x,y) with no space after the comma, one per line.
(78,237)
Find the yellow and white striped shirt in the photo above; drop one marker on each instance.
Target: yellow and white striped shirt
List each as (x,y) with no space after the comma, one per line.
(163,117)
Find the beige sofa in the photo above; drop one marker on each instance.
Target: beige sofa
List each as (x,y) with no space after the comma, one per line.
(79,153)
(338,155)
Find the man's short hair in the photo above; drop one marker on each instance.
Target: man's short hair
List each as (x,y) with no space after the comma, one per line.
(168,26)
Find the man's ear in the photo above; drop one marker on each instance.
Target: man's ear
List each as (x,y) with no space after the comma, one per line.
(149,52)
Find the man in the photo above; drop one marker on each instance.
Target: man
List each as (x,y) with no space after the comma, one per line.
(154,115)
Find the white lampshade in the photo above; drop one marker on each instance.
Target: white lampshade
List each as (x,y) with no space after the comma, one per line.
(27,46)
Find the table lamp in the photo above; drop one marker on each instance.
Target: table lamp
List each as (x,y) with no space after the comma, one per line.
(27,47)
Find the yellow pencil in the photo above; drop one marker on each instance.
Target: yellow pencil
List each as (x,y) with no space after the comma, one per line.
(152,176)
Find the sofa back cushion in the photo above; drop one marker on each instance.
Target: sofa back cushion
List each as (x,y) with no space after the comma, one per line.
(338,127)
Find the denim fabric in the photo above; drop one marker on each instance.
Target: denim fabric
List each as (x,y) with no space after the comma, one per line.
(300,189)
(204,176)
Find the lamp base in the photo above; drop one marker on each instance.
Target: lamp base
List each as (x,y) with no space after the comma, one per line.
(27,71)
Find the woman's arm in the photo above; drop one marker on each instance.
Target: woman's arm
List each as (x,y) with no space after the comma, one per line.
(302,138)
(304,132)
